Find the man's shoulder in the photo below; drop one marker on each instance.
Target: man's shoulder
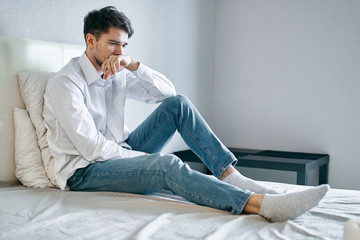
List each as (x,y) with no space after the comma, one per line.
(71,67)
(71,71)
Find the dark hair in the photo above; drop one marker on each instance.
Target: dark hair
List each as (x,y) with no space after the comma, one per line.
(97,22)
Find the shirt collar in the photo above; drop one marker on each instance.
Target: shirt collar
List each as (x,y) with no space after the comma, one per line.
(91,74)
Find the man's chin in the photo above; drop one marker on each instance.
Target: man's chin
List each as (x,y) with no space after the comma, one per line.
(98,62)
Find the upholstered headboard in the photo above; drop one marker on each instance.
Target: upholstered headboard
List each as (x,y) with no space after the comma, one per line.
(20,55)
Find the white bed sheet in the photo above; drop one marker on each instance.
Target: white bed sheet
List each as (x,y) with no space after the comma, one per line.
(54,214)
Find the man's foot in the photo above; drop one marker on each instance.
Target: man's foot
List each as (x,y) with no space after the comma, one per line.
(279,208)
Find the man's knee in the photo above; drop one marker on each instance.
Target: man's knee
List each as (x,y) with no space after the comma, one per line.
(170,162)
(171,159)
(178,101)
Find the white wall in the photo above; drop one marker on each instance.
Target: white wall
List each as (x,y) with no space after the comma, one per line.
(173,37)
(286,76)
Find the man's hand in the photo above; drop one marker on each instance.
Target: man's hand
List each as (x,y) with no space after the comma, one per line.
(116,63)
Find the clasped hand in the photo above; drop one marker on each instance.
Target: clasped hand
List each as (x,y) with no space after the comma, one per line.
(116,63)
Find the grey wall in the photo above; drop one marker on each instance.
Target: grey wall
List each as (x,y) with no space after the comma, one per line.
(266,74)
(286,76)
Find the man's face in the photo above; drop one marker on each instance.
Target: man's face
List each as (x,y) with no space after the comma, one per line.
(111,43)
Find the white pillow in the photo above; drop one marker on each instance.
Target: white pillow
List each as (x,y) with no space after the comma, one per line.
(29,166)
(32,88)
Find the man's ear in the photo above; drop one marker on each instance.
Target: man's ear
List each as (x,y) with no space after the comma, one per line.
(90,40)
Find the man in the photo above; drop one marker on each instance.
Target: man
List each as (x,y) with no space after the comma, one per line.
(94,150)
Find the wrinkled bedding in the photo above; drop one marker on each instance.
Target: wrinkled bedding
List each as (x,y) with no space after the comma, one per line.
(27,213)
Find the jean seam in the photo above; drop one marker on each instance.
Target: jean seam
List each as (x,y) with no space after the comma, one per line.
(199,143)
(154,130)
(152,173)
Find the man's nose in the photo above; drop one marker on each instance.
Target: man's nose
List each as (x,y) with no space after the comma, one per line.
(119,50)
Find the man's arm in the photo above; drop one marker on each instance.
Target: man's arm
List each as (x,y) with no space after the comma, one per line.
(143,83)
(148,85)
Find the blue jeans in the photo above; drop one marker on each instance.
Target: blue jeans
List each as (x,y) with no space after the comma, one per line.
(156,171)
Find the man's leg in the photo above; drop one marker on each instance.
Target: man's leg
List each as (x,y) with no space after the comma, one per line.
(178,113)
(156,172)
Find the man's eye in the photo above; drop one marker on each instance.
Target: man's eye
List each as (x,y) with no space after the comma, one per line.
(114,44)
(124,46)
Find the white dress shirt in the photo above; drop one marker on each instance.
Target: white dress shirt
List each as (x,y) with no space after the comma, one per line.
(84,114)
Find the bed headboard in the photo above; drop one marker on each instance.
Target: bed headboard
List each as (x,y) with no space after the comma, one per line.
(18,55)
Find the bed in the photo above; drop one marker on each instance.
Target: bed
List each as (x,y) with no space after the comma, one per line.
(41,211)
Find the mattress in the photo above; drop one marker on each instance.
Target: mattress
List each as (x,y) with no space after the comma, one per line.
(28,213)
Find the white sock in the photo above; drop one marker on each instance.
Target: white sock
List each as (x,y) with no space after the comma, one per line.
(245,183)
(279,208)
